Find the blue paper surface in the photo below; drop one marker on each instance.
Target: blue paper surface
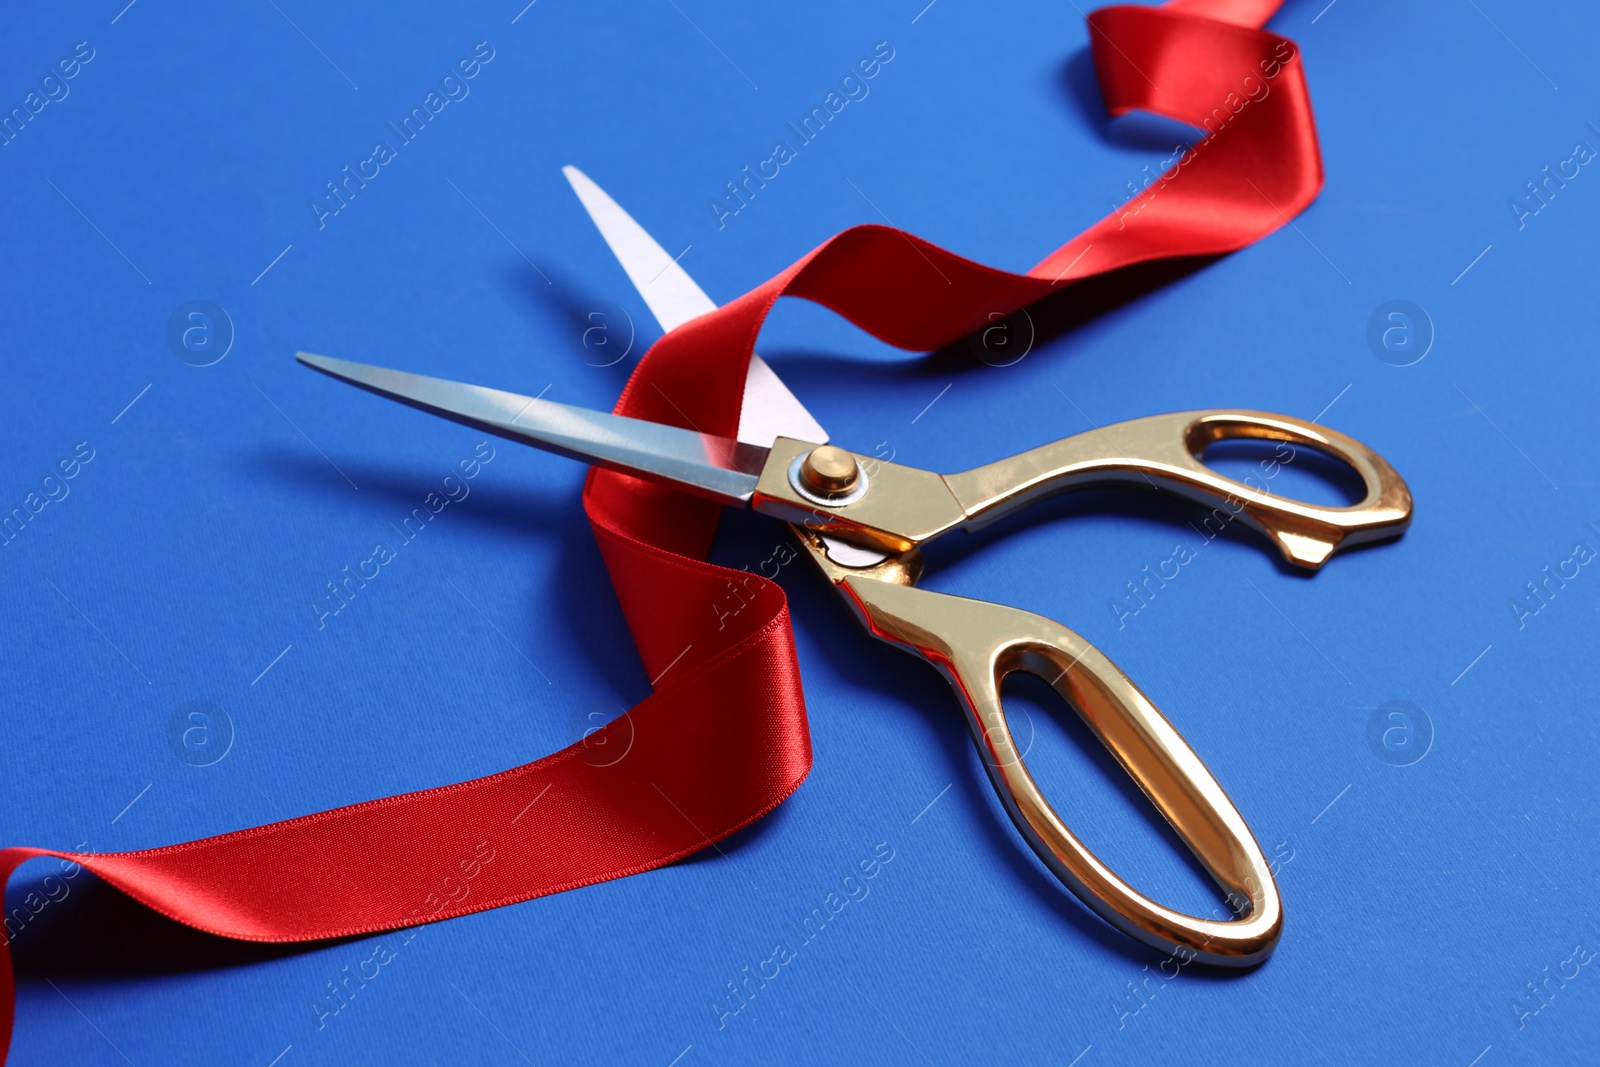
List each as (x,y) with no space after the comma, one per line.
(1438,868)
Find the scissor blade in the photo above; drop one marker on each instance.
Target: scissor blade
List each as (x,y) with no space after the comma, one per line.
(770,409)
(711,466)
(671,294)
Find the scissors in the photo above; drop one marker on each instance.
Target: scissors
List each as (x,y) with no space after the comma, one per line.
(863,522)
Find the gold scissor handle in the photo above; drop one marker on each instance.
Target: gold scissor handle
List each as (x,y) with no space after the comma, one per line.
(895,509)
(975,644)
(1163,452)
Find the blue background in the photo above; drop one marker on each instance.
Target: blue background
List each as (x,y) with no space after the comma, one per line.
(1420,900)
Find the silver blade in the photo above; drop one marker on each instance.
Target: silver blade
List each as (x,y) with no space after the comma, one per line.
(714,467)
(671,294)
(770,409)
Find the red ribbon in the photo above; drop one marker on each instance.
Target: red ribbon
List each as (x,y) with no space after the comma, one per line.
(723,739)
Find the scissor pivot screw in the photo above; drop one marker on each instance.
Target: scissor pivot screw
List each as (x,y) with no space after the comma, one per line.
(828,476)
(830,471)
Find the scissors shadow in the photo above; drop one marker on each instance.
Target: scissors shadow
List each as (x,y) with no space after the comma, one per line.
(580,314)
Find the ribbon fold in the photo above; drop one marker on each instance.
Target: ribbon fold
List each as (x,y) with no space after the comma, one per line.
(723,739)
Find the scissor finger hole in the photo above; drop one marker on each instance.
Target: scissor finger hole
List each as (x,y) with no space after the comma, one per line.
(1099,800)
(1290,444)
(1294,469)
